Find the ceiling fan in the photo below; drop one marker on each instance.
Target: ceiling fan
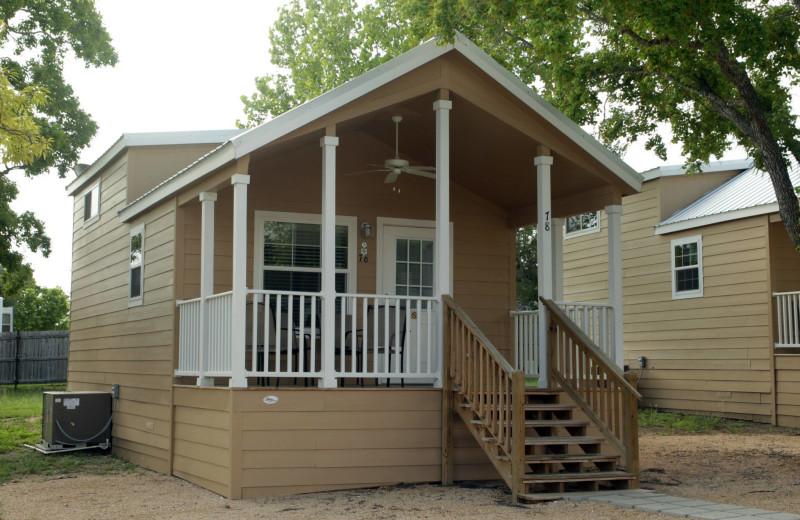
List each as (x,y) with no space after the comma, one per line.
(395,166)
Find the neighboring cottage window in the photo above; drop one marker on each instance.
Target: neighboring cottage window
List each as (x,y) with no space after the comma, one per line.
(136,266)
(291,252)
(687,267)
(91,204)
(582,224)
(7,323)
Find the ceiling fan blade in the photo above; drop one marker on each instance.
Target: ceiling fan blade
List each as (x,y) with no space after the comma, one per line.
(391,177)
(365,171)
(425,168)
(415,171)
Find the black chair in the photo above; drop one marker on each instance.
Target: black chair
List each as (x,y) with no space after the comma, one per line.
(288,337)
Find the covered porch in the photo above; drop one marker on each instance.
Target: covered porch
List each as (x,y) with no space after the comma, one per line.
(300,268)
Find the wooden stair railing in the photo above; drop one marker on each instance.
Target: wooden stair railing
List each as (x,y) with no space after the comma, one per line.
(595,383)
(488,387)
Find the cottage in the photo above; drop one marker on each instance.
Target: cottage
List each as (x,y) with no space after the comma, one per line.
(710,286)
(322,302)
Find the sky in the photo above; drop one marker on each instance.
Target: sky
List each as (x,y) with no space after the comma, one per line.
(183,65)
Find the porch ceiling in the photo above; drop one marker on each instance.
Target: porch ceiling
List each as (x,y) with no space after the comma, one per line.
(487,156)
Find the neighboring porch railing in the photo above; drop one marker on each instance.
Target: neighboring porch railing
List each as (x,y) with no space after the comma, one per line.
(388,338)
(596,320)
(594,382)
(787,309)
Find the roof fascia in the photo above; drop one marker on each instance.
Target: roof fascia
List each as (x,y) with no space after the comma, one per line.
(550,113)
(338,97)
(98,165)
(195,172)
(713,167)
(148,139)
(707,220)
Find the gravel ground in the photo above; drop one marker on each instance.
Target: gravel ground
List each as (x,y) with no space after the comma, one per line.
(754,469)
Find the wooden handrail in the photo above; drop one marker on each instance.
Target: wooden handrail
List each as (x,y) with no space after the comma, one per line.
(594,382)
(577,335)
(498,357)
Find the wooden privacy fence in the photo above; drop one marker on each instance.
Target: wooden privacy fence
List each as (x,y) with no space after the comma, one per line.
(594,382)
(33,357)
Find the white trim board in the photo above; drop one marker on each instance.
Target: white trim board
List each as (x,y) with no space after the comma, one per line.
(304,218)
(709,220)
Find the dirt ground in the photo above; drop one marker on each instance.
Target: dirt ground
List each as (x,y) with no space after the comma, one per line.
(754,469)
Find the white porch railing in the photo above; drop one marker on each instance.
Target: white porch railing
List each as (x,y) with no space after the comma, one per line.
(282,337)
(189,338)
(526,341)
(376,336)
(387,337)
(787,307)
(595,319)
(214,359)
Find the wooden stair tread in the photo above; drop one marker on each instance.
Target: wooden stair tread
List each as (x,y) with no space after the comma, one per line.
(589,476)
(549,407)
(556,422)
(556,458)
(542,391)
(572,457)
(572,439)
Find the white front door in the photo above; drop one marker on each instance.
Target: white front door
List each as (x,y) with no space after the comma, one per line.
(407,270)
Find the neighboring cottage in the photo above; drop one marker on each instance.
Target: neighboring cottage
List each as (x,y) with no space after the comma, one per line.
(707,265)
(284,316)
(6,318)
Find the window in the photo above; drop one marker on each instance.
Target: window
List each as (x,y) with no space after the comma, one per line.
(687,267)
(91,204)
(414,267)
(582,224)
(136,266)
(290,251)
(7,323)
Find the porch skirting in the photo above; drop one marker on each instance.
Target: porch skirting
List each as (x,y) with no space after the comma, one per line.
(248,443)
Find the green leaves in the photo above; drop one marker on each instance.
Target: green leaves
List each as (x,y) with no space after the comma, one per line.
(38,308)
(320,44)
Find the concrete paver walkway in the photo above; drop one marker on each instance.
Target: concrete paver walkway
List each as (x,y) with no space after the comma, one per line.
(653,502)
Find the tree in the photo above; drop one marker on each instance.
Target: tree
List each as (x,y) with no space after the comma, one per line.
(719,72)
(527,269)
(39,308)
(42,126)
(12,283)
(320,44)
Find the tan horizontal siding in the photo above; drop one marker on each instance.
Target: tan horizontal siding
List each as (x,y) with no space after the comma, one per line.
(346,438)
(709,354)
(112,343)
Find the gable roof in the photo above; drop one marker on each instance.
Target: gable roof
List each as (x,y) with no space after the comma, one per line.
(676,170)
(748,194)
(354,89)
(128,140)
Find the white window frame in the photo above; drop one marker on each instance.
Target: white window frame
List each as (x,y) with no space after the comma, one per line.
(134,301)
(303,218)
(6,311)
(696,293)
(585,231)
(95,191)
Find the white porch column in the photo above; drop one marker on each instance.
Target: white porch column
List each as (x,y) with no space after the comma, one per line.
(239,286)
(544,241)
(558,259)
(207,200)
(441,277)
(614,214)
(328,229)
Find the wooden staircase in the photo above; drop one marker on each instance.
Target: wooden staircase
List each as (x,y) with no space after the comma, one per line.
(532,436)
